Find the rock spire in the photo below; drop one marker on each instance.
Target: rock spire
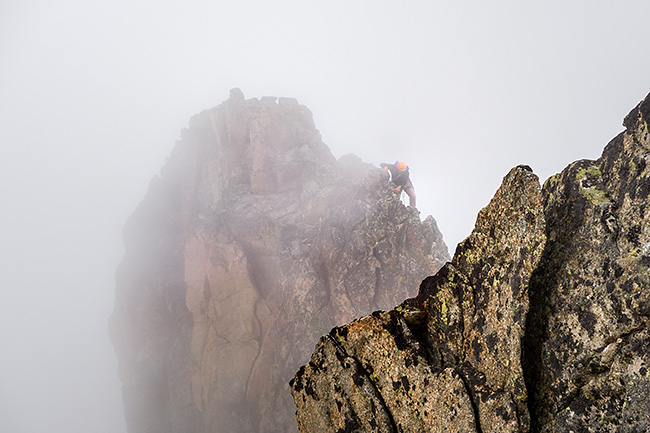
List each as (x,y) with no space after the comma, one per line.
(252,243)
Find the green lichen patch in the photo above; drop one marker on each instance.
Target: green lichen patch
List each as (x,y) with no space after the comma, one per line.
(595,195)
(588,171)
(589,178)
(552,181)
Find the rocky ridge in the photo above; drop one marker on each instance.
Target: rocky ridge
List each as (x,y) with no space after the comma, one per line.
(252,243)
(538,324)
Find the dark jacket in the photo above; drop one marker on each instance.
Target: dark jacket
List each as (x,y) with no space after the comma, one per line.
(399,178)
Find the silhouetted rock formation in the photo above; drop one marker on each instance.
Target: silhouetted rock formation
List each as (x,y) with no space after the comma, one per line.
(252,243)
(539,323)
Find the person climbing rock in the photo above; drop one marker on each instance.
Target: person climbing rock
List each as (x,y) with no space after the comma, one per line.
(399,175)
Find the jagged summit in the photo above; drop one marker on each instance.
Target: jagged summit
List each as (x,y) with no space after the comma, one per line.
(252,243)
(538,324)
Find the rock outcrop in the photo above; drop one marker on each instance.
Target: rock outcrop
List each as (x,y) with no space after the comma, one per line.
(587,345)
(447,360)
(252,243)
(538,324)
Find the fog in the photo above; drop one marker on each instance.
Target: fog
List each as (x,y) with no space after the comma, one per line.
(94,94)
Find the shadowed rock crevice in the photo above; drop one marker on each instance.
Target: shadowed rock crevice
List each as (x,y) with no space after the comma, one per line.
(590,288)
(369,376)
(536,335)
(470,391)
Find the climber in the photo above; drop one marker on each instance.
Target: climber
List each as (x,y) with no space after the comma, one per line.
(399,175)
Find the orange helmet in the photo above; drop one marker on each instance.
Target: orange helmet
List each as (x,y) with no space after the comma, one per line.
(401,166)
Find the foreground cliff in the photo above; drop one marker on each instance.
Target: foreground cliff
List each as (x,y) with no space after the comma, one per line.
(539,323)
(252,243)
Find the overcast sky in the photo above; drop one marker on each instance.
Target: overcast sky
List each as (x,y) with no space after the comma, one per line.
(93,95)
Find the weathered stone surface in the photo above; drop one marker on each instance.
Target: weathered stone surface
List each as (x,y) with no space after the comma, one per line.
(587,356)
(376,346)
(354,404)
(543,312)
(252,243)
(448,360)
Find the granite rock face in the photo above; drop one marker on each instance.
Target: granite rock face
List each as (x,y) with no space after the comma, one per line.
(538,324)
(449,359)
(588,344)
(252,243)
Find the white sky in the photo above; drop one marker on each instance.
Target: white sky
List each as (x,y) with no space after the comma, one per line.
(93,95)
